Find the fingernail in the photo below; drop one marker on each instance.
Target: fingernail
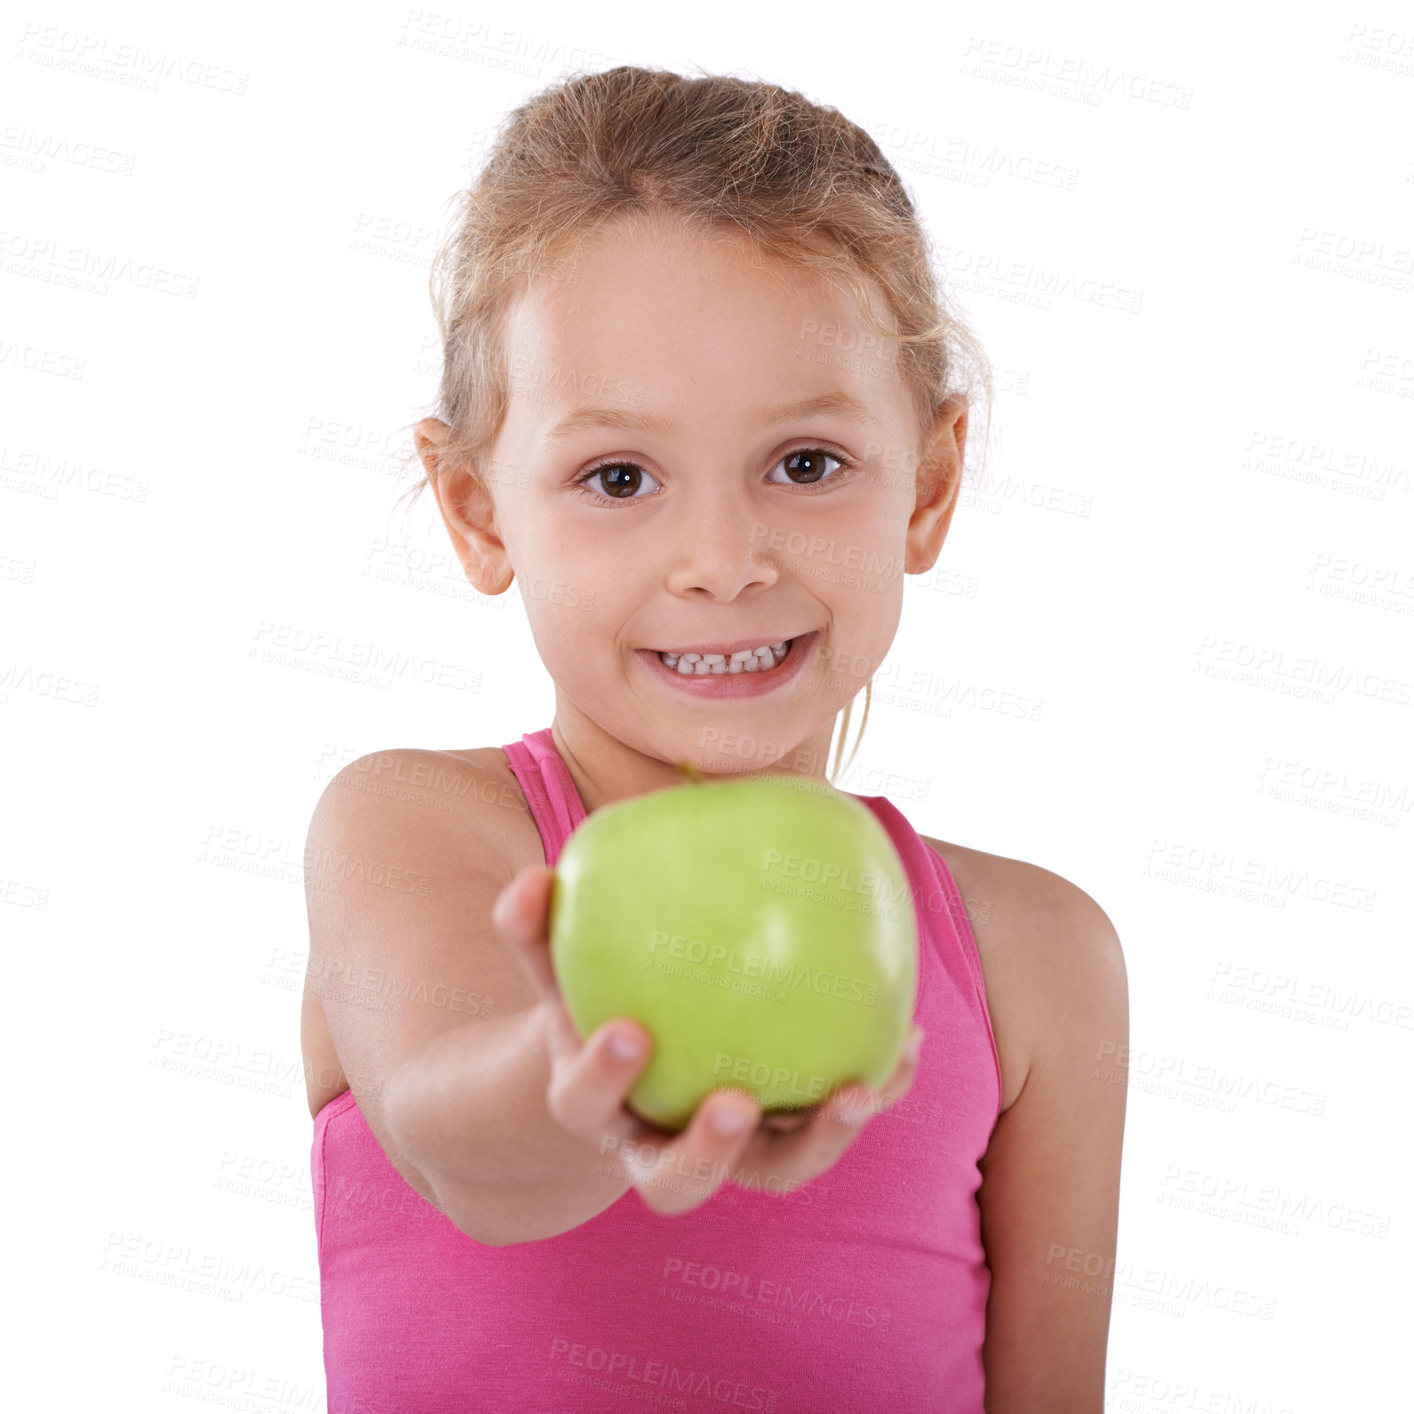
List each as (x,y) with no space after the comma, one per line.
(726,1120)
(625,1045)
(856,1109)
(914,1045)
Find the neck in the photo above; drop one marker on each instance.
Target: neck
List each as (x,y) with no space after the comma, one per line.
(605,769)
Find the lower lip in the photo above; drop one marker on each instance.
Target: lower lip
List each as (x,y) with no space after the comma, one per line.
(741,684)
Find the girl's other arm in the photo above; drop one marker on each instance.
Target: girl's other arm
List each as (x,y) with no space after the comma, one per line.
(1051,1174)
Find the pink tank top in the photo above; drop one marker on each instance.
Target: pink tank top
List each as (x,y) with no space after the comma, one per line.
(865,1289)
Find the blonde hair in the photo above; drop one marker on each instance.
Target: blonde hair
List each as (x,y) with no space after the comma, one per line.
(719,153)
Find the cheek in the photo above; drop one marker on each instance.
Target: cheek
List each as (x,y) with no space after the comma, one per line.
(570,543)
(576,612)
(844,557)
(564,566)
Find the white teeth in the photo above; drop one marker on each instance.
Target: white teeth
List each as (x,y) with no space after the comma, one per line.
(748,660)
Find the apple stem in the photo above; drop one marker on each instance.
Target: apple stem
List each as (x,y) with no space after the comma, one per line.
(689,772)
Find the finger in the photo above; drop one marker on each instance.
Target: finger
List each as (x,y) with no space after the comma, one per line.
(693,1165)
(523,906)
(786,1121)
(893,1090)
(587,1088)
(831,1131)
(782,1161)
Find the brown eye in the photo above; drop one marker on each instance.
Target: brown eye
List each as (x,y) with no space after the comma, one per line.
(811,463)
(619,479)
(806,466)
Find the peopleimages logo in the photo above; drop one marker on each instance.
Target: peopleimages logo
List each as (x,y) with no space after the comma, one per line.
(97,56)
(763,968)
(742,1291)
(618,1368)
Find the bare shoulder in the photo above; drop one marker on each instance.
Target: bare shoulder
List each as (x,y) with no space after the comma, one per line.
(466,803)
(472,788)
(1048,952)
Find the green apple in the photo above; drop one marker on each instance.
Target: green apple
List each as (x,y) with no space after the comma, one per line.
(761,930)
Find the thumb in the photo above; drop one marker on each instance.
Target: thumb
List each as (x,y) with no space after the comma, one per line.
(520,908)
(520,915)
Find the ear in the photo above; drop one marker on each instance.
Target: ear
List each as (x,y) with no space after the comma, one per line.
(938,481)
(467,510)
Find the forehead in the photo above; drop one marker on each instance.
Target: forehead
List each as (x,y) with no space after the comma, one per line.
(652,311)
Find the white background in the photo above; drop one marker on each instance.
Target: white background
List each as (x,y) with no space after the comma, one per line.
(1194,513)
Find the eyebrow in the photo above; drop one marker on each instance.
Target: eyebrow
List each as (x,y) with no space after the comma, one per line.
(595,415)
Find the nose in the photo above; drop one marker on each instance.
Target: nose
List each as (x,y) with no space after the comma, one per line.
(721,547)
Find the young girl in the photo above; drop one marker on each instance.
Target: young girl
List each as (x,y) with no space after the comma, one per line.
(700,395)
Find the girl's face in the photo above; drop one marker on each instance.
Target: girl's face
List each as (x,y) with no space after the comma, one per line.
(701,447)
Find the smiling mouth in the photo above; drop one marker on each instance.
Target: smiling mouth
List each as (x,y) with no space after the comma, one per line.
(764,659)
